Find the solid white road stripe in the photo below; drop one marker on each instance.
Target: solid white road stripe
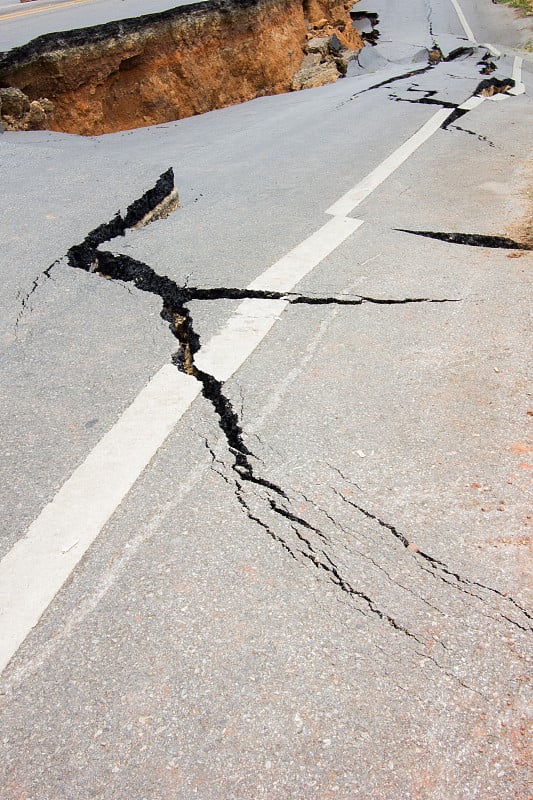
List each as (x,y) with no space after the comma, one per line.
(246,328)
(37,566)
(360,192)
(289,270)
(462,19)
(519,87)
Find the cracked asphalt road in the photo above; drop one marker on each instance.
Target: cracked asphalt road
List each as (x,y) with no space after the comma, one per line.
(318,587)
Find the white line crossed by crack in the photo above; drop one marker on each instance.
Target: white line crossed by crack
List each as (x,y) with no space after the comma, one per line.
(34,570)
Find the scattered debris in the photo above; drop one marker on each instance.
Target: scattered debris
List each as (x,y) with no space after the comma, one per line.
(326,59)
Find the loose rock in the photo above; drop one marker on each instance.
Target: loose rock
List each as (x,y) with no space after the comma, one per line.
(315,76)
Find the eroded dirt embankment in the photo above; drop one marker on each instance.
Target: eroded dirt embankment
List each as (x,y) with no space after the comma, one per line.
(166,66)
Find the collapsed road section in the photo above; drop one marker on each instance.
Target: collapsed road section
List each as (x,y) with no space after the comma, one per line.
(174,64)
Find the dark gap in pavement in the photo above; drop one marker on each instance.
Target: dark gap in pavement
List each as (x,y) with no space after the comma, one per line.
(426,100)
(471,239)
(367,25)
(491,86)
(459,52)
(478,136)
(401,77)
(87,257)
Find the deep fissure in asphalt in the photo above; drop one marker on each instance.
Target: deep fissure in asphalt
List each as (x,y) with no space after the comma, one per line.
(472,239)
(487,87)
(88,257)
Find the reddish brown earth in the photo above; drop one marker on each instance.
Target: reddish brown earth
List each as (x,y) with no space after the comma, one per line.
(170,65)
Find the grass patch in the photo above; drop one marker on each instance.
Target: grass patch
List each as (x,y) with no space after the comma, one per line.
(525,6)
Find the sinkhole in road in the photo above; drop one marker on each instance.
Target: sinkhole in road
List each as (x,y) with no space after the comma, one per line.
(173,64)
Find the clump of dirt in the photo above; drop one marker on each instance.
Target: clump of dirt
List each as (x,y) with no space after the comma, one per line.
(19,113)
(174,64)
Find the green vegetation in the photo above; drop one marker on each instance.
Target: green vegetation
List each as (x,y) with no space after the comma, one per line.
(525,6)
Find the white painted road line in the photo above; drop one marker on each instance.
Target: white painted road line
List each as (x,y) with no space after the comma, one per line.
(228,350)
(492,50)
(462,19)
(518,87)
(364,188)
(472,102)
(37,566)
(246,328)
(34,570)
(289,270)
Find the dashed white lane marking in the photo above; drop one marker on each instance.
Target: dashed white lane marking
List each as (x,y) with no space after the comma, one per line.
(462,19)
(364,188)
(518,87)
(36,567)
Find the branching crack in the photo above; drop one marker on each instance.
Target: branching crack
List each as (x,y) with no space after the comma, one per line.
(428,99)
(387,82)
(441,570)
(88,257)
(487,87)
(24,299)
(307,541)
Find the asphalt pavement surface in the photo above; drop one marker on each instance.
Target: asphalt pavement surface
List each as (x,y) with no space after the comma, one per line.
(315,583)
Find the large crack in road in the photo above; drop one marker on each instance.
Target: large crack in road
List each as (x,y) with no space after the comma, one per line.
(306,542)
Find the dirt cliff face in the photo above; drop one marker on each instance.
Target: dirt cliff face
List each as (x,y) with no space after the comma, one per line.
(170,65)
